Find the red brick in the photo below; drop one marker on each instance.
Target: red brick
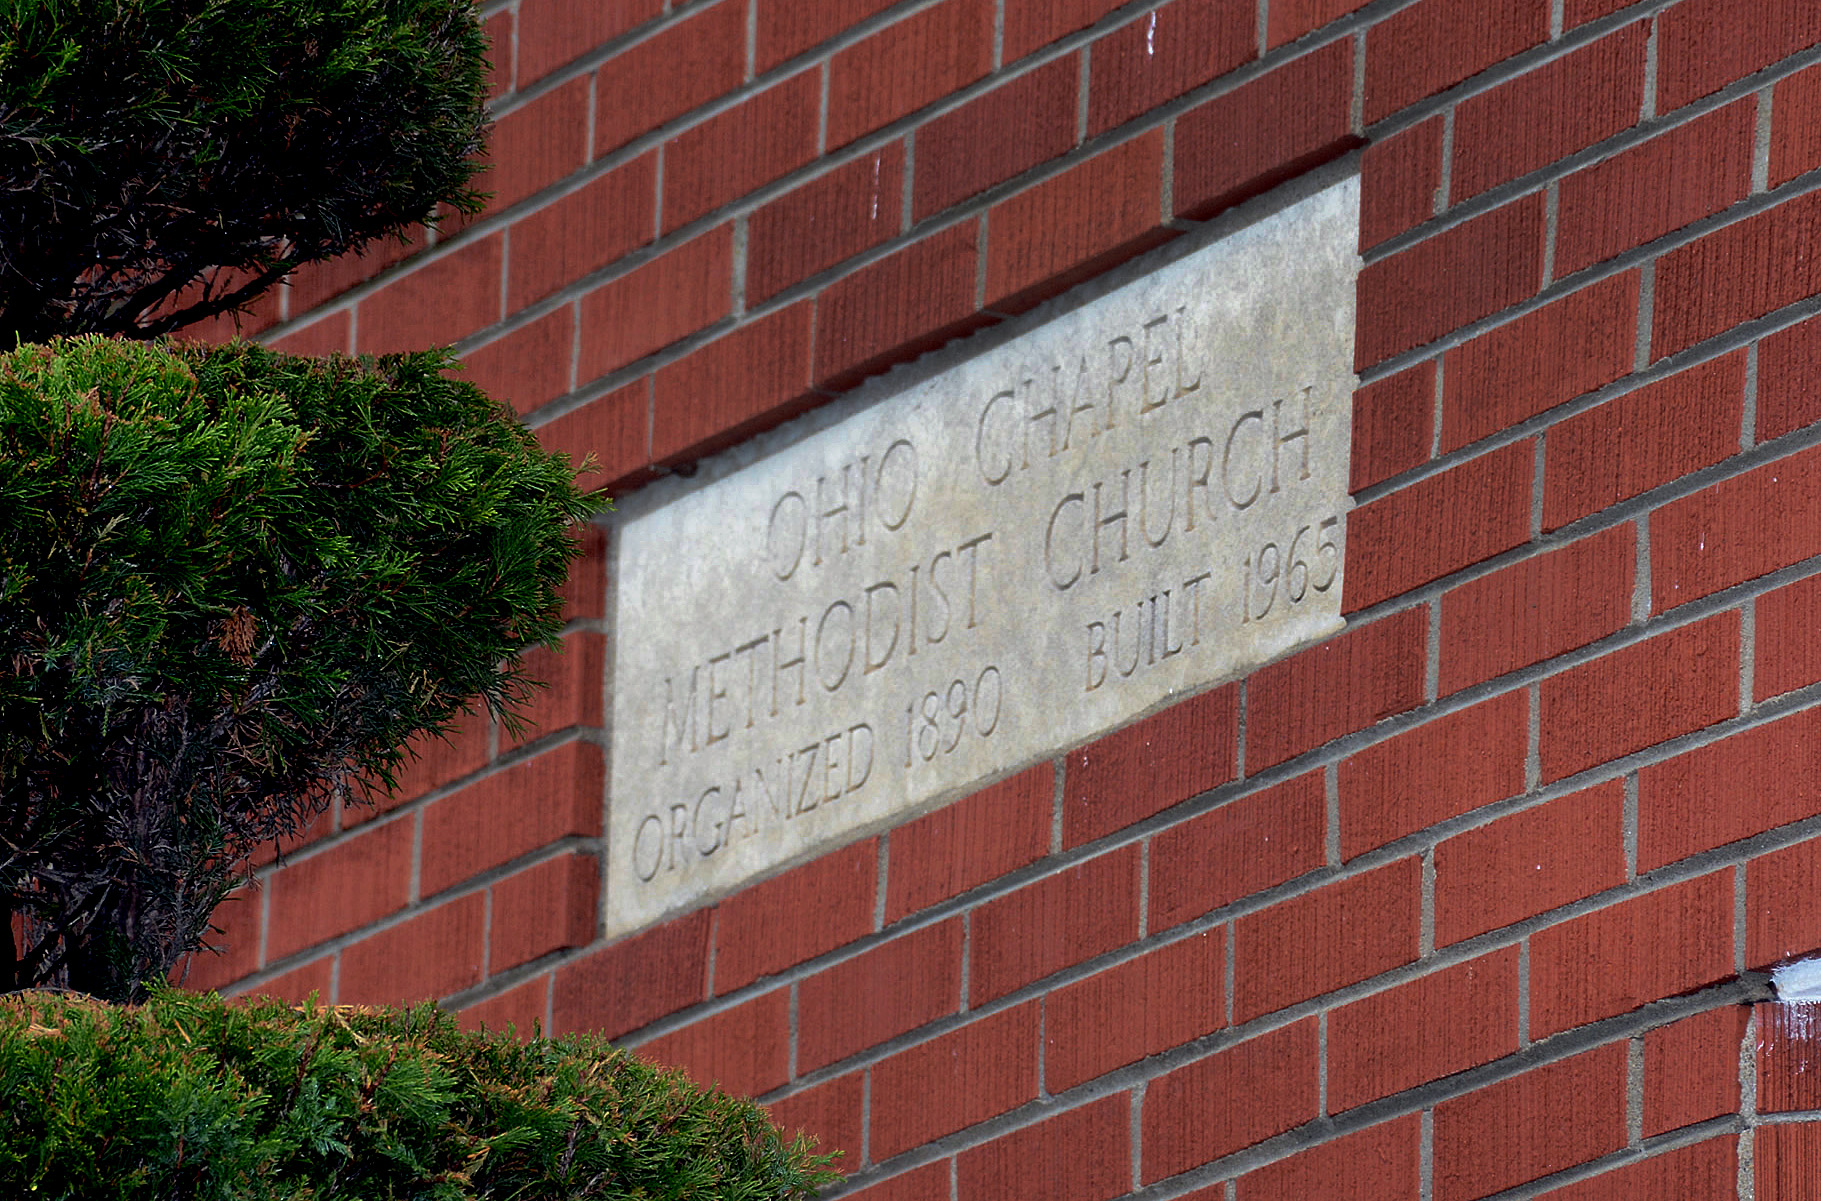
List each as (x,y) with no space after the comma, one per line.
(1786,1049)
(318,339)
(636,980)
(682,290)
(745,1050)
(498,29)
(260,315)
(875,996)
(1537,609)
(574,676)
(1788,1160)
(1082,1154)
(979,1071)
(431,761)
(1326,939)
(1719,537)
(1448,1021)
(1640,695)
(1708,1169)
(689,63)
(1231,1099)
(1379,1163)
(1613,960)
(1532,364)
(530,366)
(1084,911)
(1399,179)
(358,880)
(1225,154)
(441,302)
(1290,19)
(835,216)
(1547,1119)
(519,1010)
(585,592)
(737,151)
(1030,24)
(744,381)
(1576,13)
(300,984)
(1435,527)
(1640,194)
(552,32)
(831,1114)
(1450,280)
(1243,847)
(906,65)
(1146,768)
(1788,644)
(615,430)
(1075,225)
(598,223)
(1438,770)
(797,916)
(927,1183)
(1347,683)
(425,958)
(1565,105)
(546,908)
(1728,790)
(893,310)
(786,28)
(1736,273)
(1431,46)
(1145,1006)
(1691,1069)
(536,144)
(1782,905)
(997,830)
(1642,439)
(1795,140)
(1170,50)
(1530,862)
(1007,131)
(1788,363)
(1703,45)
(230,948)
(314,283)
(531,804)
(1393,424)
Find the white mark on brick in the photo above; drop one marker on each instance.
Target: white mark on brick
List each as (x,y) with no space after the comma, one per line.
(1150,36)
(1799,981)
(875,215)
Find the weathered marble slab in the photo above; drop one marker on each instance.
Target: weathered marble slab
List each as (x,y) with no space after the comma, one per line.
(1141,498)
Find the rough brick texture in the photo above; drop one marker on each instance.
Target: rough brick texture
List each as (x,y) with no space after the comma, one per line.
(1444,904)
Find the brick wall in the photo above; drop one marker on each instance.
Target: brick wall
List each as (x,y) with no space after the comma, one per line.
(1476,896)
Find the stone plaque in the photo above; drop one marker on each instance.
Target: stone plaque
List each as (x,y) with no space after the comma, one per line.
(1138,499)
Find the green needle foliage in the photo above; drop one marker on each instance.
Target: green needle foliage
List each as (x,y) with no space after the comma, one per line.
(194,1097)
(232,583)
(163,161)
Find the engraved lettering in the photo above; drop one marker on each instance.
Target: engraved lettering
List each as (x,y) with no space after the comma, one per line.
(875,617)
(785,551)
(1049,545)
(983,459)
(1226,462)
(1103,518)
(844,642)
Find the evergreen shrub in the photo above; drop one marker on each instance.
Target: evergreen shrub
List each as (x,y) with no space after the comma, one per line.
(167,160)
(193,1097)
(232,584)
